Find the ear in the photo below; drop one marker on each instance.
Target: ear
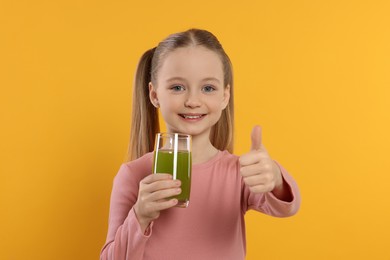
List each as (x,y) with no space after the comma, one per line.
(153,95)
(226,96)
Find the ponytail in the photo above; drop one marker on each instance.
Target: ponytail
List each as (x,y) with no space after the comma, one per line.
(144,118)
(221,134)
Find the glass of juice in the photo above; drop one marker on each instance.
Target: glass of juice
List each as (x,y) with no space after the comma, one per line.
(172,155)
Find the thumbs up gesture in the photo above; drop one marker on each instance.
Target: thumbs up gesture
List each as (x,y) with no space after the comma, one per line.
(259,171)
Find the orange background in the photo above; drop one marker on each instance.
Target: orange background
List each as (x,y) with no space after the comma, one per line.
(314,74)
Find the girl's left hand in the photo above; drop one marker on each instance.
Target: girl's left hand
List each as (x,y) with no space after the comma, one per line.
(259,171)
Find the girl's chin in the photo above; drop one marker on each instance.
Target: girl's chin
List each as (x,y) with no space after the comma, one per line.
(193,132)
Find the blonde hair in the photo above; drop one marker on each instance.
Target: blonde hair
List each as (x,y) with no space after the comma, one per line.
(145,120)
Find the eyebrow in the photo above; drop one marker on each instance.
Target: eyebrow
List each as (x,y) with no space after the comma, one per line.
(183,79)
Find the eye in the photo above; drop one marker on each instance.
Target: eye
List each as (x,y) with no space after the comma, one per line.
(177,88)
(208,88)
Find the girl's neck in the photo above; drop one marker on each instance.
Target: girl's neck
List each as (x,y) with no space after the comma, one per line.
(202,150)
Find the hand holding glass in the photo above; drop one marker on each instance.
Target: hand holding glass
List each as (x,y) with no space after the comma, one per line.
(172,155)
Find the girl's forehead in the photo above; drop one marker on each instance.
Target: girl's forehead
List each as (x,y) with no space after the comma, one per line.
(193,53)
(191,61)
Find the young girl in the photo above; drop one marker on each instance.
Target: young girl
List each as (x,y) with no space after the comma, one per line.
(188,76)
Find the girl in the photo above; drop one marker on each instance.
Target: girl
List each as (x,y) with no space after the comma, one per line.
(188,76)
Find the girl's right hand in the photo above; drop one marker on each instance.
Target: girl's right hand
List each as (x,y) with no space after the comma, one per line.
(153,192)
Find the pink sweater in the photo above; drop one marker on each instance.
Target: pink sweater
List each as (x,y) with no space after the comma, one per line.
(212,227)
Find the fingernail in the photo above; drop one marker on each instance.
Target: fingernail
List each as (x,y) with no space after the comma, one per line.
(178,191)
(177,182)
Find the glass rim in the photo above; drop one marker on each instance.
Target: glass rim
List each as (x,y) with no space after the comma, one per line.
(166,134)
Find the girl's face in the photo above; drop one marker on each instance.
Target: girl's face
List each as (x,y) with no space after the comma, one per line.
(190,90)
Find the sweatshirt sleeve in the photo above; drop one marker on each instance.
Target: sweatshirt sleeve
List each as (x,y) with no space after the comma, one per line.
(125,239)
(269,204)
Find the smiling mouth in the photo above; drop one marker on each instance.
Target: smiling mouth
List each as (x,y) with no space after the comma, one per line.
(187,116)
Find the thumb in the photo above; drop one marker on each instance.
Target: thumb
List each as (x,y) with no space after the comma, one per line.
(256,138)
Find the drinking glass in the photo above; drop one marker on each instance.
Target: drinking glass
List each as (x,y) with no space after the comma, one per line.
(172,154)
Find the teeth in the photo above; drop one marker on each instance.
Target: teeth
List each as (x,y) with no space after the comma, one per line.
(191,117)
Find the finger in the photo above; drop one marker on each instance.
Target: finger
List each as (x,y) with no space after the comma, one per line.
(156,177)
(161,185)
(163,194)
(253,157)
(256,138)
(164,204)
(257,169)
(250,170)
(259,179)
(258,185)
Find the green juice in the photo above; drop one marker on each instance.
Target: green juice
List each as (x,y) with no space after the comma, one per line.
(164,163)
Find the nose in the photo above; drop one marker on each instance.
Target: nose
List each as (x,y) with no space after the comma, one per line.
(192,100)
